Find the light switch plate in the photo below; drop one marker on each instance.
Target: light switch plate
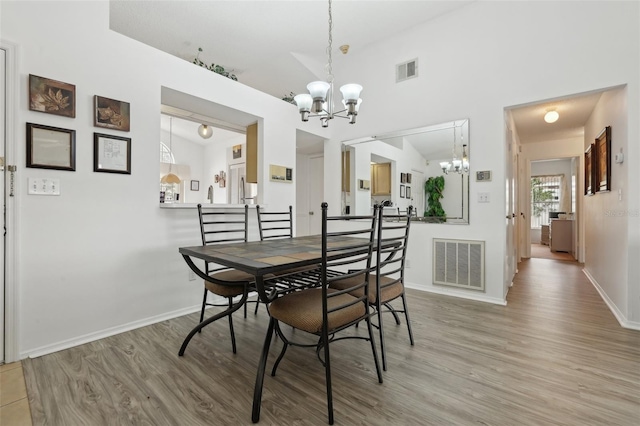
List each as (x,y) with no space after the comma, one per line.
(483,197)
(43,186)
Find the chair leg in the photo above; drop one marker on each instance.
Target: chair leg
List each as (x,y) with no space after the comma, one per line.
(255,312)
(393,312)
(373,349)
(233,335)
(406,315)
(204,305)
(284,348)
(257,391)
(327,370)
(381,331)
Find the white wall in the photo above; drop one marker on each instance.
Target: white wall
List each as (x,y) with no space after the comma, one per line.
(608,216)
(474,63)
(103,257)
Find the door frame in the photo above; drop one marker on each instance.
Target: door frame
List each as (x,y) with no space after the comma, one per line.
(10,278)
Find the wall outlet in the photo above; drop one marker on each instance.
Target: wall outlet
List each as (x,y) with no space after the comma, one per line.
(192,276)
(483,197)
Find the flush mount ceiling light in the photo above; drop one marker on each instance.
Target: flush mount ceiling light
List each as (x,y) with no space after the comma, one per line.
(205,131)
(551,116)
(319,100)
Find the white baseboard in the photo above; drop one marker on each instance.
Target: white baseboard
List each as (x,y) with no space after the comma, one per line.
(624,322)
(91,337)
(480,297)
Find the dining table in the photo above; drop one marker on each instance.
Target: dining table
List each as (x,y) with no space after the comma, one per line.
(268,261)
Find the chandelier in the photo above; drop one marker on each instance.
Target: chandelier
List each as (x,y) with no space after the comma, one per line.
(319,101)
(457,164)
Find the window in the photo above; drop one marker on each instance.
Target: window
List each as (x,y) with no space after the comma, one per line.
(166,156)
(545,198)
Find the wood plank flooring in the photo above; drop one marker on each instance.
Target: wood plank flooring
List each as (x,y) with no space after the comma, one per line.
(554,356)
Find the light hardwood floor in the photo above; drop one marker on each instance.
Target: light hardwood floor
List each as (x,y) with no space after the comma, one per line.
(14,405)
(554,356)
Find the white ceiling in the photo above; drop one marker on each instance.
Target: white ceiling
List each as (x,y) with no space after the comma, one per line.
(279,46)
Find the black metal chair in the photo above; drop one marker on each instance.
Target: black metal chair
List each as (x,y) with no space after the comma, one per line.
(387,283)
(322,310)
(224,226)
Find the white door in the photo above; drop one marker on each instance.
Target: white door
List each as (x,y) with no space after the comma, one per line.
(302,195)
(236,185)
(417,192)
(510,252)
(316,194)
(2,196)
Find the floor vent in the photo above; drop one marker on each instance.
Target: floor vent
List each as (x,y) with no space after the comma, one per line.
(406,70)
(458,263)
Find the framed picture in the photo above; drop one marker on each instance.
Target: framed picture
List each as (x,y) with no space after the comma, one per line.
(602,181)
(111,154)
(589,170)
(51,96)
(403,178)
(408,192)
(402,191)
(51,147)
(195,185)
(111,114)
(408,177)
(237,151)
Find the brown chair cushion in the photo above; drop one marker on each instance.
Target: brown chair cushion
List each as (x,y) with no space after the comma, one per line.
(387,294)
(229,290)
(303,310)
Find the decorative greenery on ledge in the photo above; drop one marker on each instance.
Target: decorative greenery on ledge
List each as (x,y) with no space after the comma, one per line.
(218,69)
(289,98)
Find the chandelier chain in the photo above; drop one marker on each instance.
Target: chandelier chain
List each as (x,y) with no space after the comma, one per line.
(329,48)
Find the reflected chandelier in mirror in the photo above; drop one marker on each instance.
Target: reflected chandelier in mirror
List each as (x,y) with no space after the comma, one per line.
(394,169)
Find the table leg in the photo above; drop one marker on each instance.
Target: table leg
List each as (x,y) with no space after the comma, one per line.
(257,392)
(215,317)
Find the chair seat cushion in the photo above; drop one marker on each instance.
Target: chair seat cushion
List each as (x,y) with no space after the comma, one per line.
(389,289)
(303,310)
(231,275)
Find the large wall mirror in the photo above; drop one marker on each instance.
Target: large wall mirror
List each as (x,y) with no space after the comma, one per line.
(410,168)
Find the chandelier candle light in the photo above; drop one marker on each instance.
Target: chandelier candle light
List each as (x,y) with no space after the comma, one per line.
(319,101)
(457,165)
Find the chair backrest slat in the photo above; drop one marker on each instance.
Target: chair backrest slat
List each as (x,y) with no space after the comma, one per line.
(356,245)
(222,226)
(272,224)
(393,232)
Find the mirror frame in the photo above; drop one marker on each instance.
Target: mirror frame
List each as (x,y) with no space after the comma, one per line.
(348,147)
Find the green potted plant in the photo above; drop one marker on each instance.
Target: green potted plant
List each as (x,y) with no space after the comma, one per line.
(218,69)
(433,188)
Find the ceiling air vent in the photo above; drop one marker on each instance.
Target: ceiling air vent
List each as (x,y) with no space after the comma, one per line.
(406,70)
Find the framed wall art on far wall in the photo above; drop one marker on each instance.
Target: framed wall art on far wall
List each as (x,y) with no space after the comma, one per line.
(111,114)
(589,175)
(195,185)
(111,154)
(402,191)
(51,96)
(51,147)
(408,192)
(602,181)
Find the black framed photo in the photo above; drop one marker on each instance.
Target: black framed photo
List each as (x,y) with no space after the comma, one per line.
(402,191)
(195,185)
(111,154)
(408,177)
(52,96)
(403,178)
(408,192)
(111,114)
(602,180)
(589,170)
(51,147)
